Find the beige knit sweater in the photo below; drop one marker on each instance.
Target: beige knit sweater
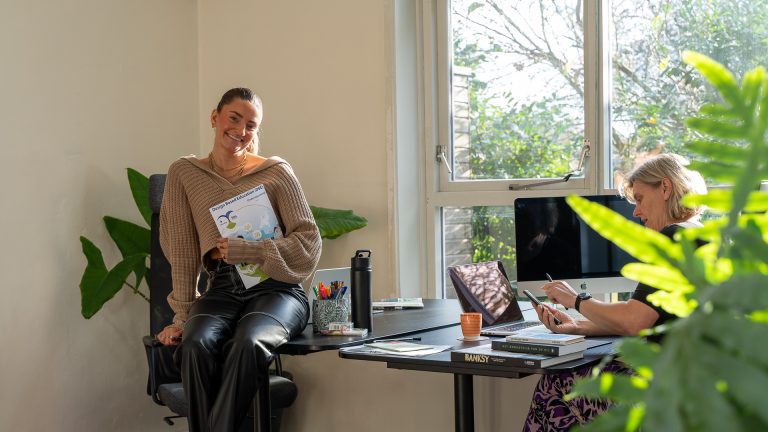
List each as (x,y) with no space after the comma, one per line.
(188,231)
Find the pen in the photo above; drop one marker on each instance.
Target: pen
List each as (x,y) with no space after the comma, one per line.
(399,339)
(566,307)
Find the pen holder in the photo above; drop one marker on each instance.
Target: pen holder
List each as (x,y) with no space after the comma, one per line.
(325,312)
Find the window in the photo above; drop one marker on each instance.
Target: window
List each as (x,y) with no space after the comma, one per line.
(653,93)
(520,87)
(517,99)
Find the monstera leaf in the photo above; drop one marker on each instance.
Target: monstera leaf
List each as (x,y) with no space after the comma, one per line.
(711,372)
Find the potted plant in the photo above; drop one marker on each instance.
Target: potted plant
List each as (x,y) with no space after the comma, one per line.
(99,284)
(711,371)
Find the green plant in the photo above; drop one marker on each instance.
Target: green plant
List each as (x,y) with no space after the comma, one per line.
(711,371)
(99,284)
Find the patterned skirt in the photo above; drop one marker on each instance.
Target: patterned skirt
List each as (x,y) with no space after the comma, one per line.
(551,412)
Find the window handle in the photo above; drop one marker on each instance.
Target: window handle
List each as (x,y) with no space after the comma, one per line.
(583,157)
(440,156)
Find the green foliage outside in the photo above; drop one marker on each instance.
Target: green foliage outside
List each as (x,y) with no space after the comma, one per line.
(711,372)
(653,92)
(99,283)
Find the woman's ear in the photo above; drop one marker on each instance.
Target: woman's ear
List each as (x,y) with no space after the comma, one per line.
(213,118)
(666,188)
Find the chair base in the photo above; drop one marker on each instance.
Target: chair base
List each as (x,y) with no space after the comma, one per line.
(283,393)
(169,420)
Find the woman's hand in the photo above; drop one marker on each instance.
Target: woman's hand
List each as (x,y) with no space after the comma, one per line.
(547,316)
(170,336)
(223,245)
(560,292)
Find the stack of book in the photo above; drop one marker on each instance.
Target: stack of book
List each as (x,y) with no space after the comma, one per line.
(526,349)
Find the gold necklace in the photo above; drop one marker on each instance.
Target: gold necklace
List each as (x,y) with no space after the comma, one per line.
(240,167)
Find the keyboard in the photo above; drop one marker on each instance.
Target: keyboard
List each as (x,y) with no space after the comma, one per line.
(512,327)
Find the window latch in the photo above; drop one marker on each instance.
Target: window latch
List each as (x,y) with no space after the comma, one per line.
(440,156)
(583,157)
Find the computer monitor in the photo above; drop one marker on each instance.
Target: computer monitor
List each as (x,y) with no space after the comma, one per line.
(551,239)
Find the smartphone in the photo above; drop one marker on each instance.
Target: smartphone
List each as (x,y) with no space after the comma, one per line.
(536,301)
(533,299)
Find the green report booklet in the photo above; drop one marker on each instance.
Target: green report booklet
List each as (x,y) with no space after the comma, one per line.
(248,216)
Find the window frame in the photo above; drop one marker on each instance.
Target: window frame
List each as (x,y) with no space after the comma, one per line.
(436,39)
(441,75)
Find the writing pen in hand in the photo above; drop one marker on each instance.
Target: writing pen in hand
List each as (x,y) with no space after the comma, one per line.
(550,279)
(398,339)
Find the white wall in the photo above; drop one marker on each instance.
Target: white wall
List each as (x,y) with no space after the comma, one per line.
(90,87)
(323,70)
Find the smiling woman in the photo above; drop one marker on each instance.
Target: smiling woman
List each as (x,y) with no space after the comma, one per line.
(229,333)
(236,120)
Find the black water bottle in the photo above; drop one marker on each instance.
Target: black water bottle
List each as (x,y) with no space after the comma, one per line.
(362,312)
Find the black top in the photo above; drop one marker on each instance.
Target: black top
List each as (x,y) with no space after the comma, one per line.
(642,291)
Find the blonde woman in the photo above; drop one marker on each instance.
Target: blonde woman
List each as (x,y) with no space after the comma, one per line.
(655,187)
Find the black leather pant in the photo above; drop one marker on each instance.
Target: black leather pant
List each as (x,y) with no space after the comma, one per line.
(229,336)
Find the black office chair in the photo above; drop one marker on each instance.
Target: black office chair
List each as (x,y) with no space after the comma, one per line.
(164,383)
(484,287)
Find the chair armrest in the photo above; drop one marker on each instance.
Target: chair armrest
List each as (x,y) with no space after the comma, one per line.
(162,368)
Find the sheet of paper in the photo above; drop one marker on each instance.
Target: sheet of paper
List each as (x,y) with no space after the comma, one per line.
(362,349)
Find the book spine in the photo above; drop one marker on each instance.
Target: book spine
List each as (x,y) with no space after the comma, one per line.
(527,348)
(494,360)
(522,339)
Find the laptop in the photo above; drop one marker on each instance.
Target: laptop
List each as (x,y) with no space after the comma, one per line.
(326,276)
(485,288)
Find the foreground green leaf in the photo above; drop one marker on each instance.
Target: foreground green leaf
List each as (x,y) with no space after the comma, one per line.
(712,370)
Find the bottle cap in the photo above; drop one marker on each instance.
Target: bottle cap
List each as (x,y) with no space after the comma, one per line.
(361,261)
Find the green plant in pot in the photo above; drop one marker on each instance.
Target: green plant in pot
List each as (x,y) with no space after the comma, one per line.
(99,284)
(711,371)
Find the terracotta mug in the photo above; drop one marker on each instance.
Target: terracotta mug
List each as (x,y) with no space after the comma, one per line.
(471,322)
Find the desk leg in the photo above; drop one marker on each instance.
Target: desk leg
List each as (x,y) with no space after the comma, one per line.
(463,403)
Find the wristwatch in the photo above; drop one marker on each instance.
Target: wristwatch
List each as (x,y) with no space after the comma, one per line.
(580,297)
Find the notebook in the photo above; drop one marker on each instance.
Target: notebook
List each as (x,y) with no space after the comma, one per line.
(326,276)
(484,288)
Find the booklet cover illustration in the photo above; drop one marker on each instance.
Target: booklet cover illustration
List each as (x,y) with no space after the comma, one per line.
(248,216)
